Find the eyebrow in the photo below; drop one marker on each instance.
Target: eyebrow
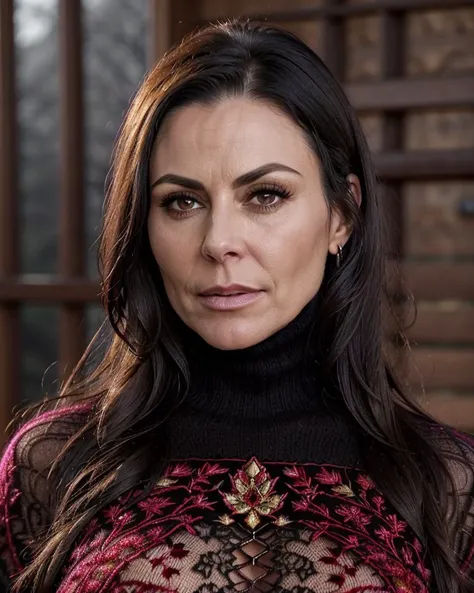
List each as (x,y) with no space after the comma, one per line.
(244,179)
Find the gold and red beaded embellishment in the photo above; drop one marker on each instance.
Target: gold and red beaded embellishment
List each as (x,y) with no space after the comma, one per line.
(339,503)
(253,494)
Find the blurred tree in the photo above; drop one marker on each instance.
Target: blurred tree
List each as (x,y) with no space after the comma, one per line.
(114,64)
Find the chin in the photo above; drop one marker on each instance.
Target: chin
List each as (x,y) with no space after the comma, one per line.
(235,337)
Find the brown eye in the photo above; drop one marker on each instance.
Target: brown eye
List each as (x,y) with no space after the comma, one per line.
(184,203)
(180,205)
(266,199)
(269,198)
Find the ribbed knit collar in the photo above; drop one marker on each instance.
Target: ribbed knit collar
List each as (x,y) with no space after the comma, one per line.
(270,380)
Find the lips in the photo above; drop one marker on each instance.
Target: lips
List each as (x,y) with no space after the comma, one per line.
(228,298)
(230,290)
(226,293)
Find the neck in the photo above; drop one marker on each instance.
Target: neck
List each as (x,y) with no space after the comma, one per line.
(274,378)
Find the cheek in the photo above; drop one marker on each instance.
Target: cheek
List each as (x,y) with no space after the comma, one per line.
(172,255)
(298,251)
(312,241)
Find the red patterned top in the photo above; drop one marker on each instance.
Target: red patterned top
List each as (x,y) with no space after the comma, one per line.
(226,525)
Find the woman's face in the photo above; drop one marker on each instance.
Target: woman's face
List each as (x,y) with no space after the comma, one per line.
(238,222)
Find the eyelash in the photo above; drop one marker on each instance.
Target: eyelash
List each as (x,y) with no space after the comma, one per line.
(274,189)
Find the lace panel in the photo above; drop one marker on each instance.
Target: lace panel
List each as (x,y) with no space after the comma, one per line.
(25,491)
(460,452)
(225,560)
(223,526)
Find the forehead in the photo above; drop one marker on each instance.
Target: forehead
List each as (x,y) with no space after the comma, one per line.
(235,135)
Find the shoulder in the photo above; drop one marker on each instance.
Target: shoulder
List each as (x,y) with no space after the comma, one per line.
(35,444)
(456,446)
(457,450)
(450,442)
(25,489)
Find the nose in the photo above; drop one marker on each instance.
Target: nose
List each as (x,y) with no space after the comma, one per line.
(223,237)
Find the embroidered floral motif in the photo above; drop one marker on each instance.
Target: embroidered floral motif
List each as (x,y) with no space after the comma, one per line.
(230,525)
(253,493)
(360,505)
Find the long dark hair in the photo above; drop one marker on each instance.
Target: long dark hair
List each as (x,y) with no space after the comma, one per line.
(142,376)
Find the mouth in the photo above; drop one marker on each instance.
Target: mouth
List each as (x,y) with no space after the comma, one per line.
(229,298)
(227,294)
(231,290)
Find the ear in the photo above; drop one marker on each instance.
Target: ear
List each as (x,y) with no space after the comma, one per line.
(340,231)
(354,188)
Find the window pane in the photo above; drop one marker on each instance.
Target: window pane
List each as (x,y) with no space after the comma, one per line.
(37,83)
(94,317)
(39,352)
(114,64)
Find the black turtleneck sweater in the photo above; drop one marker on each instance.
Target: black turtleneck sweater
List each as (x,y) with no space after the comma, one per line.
(265,400)
(265,492)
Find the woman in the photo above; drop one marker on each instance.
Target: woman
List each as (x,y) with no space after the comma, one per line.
(243,430)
